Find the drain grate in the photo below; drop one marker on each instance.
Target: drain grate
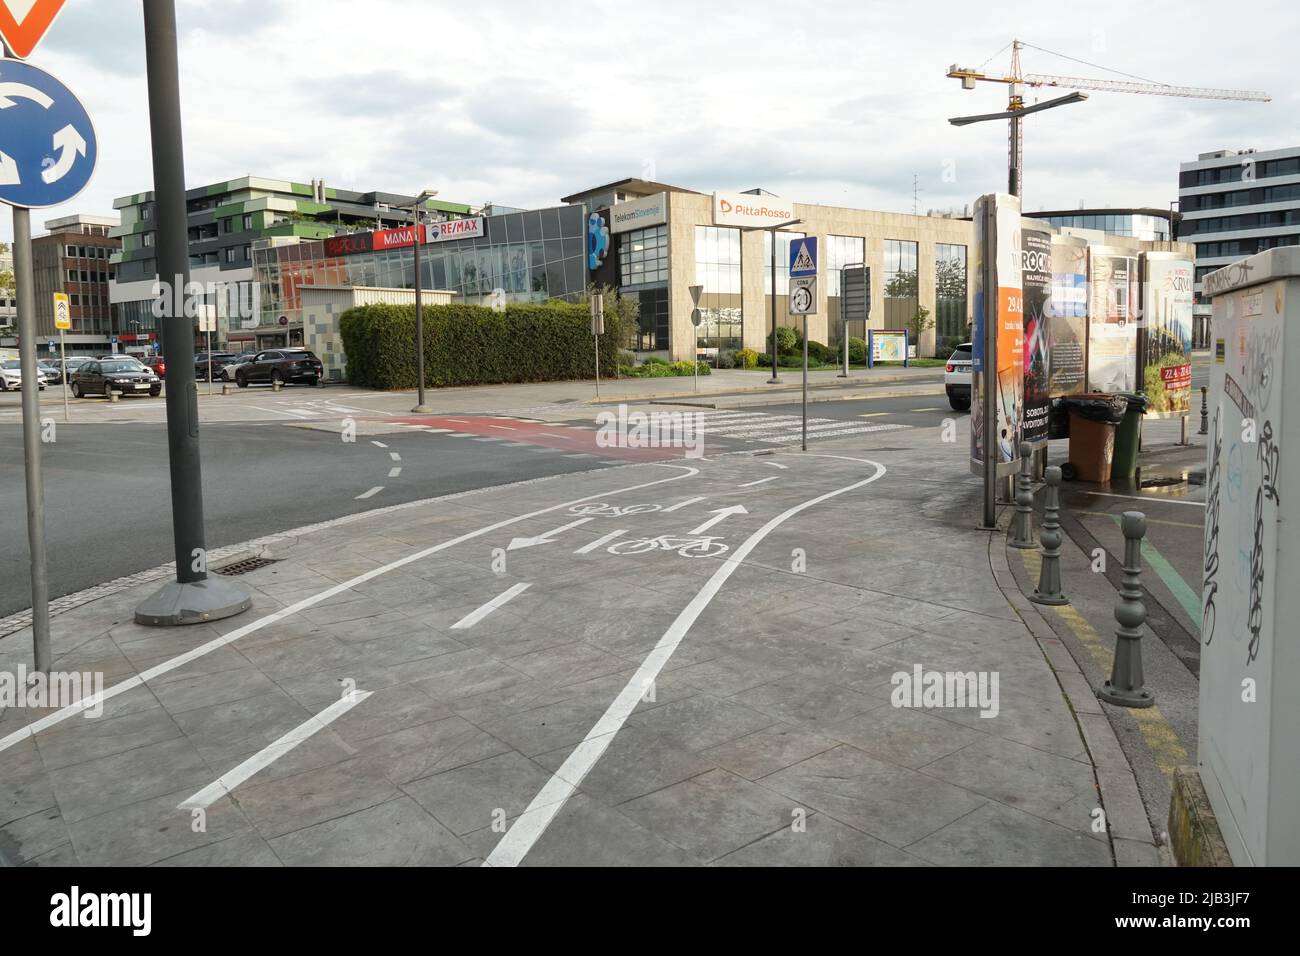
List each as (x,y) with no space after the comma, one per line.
(1162,482)
(245,566)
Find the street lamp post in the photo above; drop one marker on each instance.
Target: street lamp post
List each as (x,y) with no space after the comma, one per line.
(420,408)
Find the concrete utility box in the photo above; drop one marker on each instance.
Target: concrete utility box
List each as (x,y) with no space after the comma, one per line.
(1249,749)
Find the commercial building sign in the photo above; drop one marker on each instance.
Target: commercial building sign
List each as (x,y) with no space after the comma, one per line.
(1036,282)
(349,245)
(639,213)
(394,238)
(455,229)
(745,209)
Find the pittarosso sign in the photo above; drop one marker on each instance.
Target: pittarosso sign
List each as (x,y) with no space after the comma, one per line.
(455,229)
(650,211)
(744,209)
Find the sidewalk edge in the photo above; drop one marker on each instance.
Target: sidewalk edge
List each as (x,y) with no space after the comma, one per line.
(1127,826)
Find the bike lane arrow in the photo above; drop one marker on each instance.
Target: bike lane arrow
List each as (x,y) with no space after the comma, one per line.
(720,515)
(547,538)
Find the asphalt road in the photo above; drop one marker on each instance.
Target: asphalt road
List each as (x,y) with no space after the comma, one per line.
(107,491)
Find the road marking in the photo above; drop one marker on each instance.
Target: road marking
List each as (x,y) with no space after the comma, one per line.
(560,437)
(719,516)
(227,782)
(1172,501)
(1182,592)
(378,444)
(580,455)
(488,438)
(166,667)
(438,431)
(472,618)
(394,472)
(873,414)
(532,823)
(395,456)
(777,464)
(460,435)
(504,428)
(860,430)
(600,542)
(761,481)
(932,409)
(683,504)
(369,494)
(545,451)
(458,421)
(548,538)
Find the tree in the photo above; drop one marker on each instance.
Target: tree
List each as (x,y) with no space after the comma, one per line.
(919,324)
(6,275)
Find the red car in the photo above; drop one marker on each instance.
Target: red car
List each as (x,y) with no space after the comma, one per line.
(156,363)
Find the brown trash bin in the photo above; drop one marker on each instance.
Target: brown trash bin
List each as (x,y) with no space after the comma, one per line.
(1092,448)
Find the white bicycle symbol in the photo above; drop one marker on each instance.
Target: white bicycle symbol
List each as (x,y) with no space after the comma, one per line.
(687,547)
(599,509)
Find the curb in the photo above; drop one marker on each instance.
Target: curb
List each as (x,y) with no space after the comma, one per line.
(765,388)
(1194,834)
(1132,843)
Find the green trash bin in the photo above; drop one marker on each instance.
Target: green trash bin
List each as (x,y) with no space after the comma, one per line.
(1128,437)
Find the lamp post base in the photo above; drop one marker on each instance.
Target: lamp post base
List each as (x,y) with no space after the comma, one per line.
(177,604)
(422,410)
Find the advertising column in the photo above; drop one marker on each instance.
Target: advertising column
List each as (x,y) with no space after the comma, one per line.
(1036,281)
(1112,330)
(1167,354)
(1249,751)
(998,359)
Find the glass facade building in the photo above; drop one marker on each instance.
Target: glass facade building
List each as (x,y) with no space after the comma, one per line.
(643,272)
(717,269)
(950,327)
(1150,225)
(901,292)
(841,251)
(783,316)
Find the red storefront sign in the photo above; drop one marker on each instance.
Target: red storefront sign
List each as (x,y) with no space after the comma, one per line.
(1177,376)
(348,245)
(394,238)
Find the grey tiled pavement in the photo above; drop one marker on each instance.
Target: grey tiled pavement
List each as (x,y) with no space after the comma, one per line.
(769,739)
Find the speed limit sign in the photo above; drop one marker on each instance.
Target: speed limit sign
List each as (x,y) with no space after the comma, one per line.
(803,296)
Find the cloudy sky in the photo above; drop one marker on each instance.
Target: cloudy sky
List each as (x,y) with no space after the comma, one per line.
(519,102)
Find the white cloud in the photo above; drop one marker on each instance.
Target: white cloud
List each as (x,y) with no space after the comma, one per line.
(521,103)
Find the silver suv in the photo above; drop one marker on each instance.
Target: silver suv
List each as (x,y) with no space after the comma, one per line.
(956,378)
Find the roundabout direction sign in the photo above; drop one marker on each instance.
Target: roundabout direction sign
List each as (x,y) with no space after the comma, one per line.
(48,148)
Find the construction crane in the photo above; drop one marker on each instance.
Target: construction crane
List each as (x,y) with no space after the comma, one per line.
(1016,108)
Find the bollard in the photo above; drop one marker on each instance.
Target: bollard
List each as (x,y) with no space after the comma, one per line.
(1205,411)
(114,396)
(1049,577)
(1022,525)
(225,388)
(1125,685)
(275,386)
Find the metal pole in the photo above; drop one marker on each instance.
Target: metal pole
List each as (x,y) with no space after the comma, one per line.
(1013,156)
(989,372)
(209,360)
(63,373)
(805,383)
(193,597)
(420,408)
(844,334)
(774,380)
(24,282)
(596,339)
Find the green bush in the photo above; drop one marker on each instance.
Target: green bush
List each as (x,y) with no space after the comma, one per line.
(821,353)
(655,360)
(662,369)
(746,358)
(787,340)
(472,345)
(857,351)
(727,358)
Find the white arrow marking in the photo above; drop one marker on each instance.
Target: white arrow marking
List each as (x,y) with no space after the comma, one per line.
(9,175)
(25,92)
(721,515)
(518,543)
(69,143)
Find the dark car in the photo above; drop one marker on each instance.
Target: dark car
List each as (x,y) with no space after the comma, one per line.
(53,371)
(102,376)
(280,366)
(219,360)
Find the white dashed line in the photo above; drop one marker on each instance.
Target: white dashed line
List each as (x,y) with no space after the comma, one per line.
(394,472)
(504,428)
(683,504)
(600,542)
(369,494)
(761,481)
(395,456)
(378,444)
(472,618)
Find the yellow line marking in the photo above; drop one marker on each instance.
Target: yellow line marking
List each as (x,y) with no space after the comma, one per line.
(934,409)
(1156,731)
(873,414)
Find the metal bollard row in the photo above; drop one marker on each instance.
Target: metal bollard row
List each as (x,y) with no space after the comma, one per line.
(1022,528)
(1049,576)
(1125,686)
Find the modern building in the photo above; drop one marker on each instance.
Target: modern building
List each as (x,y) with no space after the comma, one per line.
(528,256)
(1153,225)
(8,305)
(225,221)
(660,240)
(74,258)
(1236,203)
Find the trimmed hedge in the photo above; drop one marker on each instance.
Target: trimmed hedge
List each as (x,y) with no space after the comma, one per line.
(473,345)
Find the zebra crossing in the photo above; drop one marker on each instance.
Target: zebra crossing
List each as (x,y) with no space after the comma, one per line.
(771,429)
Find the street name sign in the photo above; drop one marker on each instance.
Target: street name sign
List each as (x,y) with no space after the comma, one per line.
(48,148)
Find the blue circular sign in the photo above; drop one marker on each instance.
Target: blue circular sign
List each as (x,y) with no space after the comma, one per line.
(48,149)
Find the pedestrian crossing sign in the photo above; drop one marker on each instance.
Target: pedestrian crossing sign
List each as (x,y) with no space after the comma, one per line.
(803,257)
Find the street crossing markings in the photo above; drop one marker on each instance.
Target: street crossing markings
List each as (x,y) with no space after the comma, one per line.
(222,786)
(394,472)
(378,444)
(472,618)
(395,456)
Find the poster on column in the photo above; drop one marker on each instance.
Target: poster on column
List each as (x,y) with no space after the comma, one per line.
(1036,281)
(1001,304)
(1112,327)
(1067,327)
(1167,310)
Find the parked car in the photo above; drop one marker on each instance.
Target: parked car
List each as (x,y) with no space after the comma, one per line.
(116,374)
(156,364)
(50,371)
(219,361)
(230,367)
(11,375)
(957,378)
(280,366)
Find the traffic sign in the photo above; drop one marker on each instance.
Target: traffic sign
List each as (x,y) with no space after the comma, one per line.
(52,346)
(48,149)
(803,257)
(803,296)
(23,29)
(62,314)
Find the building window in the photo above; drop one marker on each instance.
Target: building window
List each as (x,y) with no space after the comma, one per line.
(841,251)
(146,213)
(643,256)
(949,297)
(717,268)
(900,283)
(248,221)
(147,240)
(783,240)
